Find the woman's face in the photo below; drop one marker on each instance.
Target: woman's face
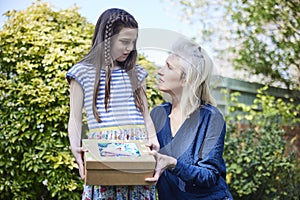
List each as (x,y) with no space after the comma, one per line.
(123,44)
(170,76)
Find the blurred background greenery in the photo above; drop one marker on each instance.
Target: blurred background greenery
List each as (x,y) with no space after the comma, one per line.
(38,45)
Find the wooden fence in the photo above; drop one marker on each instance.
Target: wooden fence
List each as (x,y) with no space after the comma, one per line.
(247,92)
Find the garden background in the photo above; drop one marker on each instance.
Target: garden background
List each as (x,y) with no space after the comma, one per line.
(39,44)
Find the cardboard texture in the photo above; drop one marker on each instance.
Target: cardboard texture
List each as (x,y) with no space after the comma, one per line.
(115,162)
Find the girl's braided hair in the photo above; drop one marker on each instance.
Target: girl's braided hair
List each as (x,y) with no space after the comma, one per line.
(109,24)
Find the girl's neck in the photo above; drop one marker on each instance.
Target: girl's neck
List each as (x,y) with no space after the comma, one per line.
(115,67)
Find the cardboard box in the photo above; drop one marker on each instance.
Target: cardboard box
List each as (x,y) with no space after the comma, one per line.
(115,162)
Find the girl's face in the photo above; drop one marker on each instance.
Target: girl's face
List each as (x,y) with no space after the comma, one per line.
(123,44)
(170,76)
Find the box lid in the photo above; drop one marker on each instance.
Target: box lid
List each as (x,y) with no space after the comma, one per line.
(131,155)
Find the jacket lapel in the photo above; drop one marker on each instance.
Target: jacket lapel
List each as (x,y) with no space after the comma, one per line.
(184,136)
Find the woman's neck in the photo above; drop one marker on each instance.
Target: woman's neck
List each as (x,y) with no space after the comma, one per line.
(176,107)
(175,116)
(176,102)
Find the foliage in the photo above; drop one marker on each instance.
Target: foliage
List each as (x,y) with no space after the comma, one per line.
(261,37)
(269,31)
(153,94)
(210,25)
(262,168)
(37,47)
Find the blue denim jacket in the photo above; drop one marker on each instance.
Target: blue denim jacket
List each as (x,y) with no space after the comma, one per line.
(198,146)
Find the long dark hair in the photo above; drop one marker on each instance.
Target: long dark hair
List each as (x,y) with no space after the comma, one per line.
(110,23)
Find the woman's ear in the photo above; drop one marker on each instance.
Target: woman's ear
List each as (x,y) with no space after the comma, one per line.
(183,78)
(183,82)
(183,75)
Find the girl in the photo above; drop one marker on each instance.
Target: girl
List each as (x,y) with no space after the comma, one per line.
(109,85)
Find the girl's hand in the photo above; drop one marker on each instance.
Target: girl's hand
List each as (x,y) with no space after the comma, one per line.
(78,153)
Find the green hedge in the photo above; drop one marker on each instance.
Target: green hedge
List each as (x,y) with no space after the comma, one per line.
(37,47)
(258,163)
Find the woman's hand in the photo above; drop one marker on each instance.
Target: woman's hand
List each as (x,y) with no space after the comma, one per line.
(153,145)
(162,163)
(78,154)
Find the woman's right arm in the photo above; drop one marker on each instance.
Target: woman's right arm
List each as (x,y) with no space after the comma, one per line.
(75,124)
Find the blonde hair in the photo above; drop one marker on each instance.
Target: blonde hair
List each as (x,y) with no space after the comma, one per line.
(197,69)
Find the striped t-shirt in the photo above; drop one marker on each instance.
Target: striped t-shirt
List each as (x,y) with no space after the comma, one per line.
(121,108)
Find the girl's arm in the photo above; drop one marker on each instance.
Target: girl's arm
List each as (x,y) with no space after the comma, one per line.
(75,124)
(148,121)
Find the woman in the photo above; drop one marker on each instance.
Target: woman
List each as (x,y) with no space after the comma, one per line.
(190,129)
(109,85)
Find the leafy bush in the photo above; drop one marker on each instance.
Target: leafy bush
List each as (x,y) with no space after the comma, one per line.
(153,94)
(258,165)
(37,47)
